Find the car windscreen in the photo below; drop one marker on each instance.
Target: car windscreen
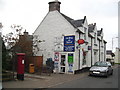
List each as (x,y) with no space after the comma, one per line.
(100,64)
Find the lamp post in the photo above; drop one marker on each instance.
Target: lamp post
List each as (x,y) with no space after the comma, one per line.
(112,42)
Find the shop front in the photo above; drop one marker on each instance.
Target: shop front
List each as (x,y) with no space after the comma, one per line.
(64,60)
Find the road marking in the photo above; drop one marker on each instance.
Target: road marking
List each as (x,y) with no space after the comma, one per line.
(56,84)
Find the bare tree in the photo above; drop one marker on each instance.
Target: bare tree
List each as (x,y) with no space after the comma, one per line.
(36,44)
(12,38)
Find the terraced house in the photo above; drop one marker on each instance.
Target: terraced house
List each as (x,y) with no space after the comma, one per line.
(72,44)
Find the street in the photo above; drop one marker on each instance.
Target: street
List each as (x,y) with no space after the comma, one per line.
(92,82)
(81,80)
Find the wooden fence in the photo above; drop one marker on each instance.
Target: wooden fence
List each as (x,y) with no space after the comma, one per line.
(36,60)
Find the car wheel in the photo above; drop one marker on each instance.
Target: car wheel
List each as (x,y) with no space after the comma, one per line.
(111,73)
(106,75)
(89,74)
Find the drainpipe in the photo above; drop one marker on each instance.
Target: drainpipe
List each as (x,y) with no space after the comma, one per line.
(99,50)
(104,52)
(91,51)
(79,55)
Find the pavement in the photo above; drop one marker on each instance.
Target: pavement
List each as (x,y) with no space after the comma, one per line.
(0,85)
(43,80)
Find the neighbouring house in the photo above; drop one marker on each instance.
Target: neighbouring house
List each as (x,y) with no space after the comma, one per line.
(72,44)
(117,55)
(102,45)
(110,56)
(97,44)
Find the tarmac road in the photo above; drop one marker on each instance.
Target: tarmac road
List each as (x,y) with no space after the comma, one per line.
(64,81)
(92,82)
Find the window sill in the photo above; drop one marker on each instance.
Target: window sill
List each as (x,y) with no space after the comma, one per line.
(95,44)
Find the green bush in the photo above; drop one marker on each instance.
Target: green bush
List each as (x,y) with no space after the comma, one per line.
(6,62)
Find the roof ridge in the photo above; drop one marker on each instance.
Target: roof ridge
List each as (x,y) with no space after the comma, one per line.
(75,23)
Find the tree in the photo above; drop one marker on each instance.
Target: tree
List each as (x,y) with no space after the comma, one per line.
(5,56)
(6,63)
(12,38)
(36,44)
(16,42)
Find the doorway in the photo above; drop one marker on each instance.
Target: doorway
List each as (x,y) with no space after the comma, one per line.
(62,63)
(95,56)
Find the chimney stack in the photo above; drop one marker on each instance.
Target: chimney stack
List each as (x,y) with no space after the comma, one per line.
(54,5)
(25,33)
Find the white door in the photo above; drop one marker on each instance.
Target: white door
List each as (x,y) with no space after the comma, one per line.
(62,63)
(95,56)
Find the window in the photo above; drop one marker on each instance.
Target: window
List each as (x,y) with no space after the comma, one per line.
(63,60)
(95,38)
(101,64)
(84,58)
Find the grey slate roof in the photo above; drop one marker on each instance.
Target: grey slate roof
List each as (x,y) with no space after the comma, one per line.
(99,32)
(105,41)
(91,27)
(75,23)
(78,23)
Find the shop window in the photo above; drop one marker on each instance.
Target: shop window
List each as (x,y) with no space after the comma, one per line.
(62,69)
(84,58)
(62,60)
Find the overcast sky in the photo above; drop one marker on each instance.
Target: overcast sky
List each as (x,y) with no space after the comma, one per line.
(29,14)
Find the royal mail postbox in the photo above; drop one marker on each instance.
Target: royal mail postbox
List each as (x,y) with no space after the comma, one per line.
(20,66)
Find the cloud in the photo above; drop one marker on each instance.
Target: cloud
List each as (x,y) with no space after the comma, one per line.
(2,4)
(29,13)
(103,8)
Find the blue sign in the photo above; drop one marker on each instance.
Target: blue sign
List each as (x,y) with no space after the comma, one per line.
(69,43)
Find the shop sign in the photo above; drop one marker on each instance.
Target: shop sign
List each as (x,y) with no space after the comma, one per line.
(70,58)
(81,41)
(56,62)
(56,66)
(69,43)
(56,56)
(70,68)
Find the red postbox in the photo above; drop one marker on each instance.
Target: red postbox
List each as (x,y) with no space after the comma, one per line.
(20,66)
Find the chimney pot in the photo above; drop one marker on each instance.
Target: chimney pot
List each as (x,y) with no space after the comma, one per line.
(54,5)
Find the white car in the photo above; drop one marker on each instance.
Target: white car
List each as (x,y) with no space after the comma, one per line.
(101,68)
